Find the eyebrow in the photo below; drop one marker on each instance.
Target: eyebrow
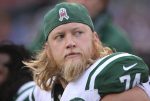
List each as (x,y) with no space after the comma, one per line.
(62,32)
(58,32)
(75,28)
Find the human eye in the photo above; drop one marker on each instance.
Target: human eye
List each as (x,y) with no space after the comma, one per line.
(59,37)
(78,33)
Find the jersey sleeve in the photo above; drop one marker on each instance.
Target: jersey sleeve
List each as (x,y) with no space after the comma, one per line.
(39,94)
(119,73)
(146,87)
(24,91)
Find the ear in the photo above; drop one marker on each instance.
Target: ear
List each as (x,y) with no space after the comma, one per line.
(96,37)
(46,45)
(47,49)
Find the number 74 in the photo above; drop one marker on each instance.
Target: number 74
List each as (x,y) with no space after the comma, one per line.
(127,80)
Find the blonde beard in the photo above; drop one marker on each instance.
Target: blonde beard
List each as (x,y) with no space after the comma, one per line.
(73,69)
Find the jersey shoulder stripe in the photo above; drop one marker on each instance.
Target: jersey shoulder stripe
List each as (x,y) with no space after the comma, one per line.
(39,94)
(103,64)
(26,86)
(31,95)
(106,74)
(24,91)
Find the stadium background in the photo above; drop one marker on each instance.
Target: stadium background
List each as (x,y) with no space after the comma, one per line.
(20,21)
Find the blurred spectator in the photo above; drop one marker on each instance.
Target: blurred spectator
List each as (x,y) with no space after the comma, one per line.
(26,22)
(37,42)
(25,16)
(15,80)
(5,25)
(109,33)
(134,17)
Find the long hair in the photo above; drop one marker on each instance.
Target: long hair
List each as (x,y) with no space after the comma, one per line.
(45,69)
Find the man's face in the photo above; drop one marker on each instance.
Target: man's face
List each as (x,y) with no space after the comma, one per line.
(71,45)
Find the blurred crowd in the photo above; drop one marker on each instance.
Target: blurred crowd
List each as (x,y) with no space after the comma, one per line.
(133,16)
(20,20)
(20,24)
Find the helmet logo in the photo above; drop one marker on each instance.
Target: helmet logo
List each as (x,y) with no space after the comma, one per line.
(63,14)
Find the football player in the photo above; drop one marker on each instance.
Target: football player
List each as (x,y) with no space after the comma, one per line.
(75,66)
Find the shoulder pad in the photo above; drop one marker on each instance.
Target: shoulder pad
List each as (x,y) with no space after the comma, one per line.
(118,72)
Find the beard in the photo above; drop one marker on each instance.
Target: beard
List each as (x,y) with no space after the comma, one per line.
(73,69)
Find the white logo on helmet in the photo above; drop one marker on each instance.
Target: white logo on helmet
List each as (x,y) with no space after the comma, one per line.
(63,14)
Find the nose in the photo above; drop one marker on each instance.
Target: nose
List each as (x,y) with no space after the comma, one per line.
(70,42)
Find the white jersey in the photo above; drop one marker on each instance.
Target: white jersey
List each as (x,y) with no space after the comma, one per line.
(41,95)
(111,74)
(146,87)
(24,91)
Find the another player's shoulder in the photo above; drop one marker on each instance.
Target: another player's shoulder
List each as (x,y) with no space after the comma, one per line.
(39,94)
(24,91)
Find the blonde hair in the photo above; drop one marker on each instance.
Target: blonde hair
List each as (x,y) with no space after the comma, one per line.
(45,69)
